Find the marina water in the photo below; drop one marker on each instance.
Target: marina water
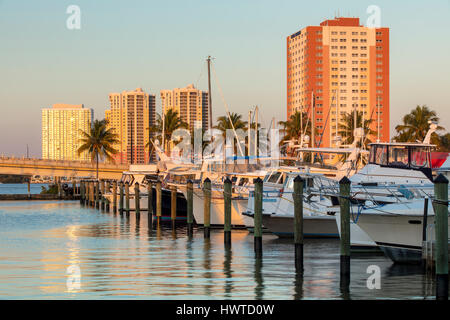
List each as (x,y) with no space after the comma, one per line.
(18,188)
(120,258)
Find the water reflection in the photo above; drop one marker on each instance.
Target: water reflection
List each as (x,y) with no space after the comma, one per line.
(228,272)
(259,284)
(131,257)
(298,286)
(207,266)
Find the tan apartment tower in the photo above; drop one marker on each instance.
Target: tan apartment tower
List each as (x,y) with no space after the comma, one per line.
(340,65)
(131,115)
(191,104)
(61,126)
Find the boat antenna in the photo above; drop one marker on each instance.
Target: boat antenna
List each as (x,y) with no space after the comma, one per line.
(209,92)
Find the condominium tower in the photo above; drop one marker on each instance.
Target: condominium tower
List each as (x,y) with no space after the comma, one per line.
(190,103)
(61,131)
(335,69)
(131,116)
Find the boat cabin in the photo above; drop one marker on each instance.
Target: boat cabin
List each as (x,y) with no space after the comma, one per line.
(413,156)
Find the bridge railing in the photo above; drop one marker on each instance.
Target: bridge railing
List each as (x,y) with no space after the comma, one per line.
(62,163)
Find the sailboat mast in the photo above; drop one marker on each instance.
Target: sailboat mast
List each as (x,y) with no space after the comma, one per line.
(378,120)
(163,129)
(313,144)
(256,131)
(337,114)
(209,93)
(249,132)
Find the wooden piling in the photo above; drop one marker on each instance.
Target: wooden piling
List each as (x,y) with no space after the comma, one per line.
(59,188)
(29,187)
(137,200)
(150,205)
(190,207)
(227,195)
(424,232)
(102,194)
(91,193)
(81,192)
(173,205)
(121,198)
(158,199)
(258,206)
(206,208)
(114,194)
(298,223)
(85,192)
(441,224)
(344,189)
(107,205)
(88,193)
(74,188)
(127,198)
(97,194)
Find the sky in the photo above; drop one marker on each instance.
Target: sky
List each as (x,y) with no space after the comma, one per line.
(156,45)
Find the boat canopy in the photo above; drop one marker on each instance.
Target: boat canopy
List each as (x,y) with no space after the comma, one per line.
(415,156)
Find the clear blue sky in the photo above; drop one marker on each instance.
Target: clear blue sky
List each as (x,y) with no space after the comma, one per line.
(162,44)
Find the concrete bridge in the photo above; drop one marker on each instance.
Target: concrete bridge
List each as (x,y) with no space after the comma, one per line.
(60,168)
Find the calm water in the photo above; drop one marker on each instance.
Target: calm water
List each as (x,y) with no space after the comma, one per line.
(121,259)
(18,188)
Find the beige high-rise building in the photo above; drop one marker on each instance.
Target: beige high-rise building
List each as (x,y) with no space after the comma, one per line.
(131,115)
(191,104)
(61,127)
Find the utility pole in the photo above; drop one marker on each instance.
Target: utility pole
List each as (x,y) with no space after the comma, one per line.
(209,92)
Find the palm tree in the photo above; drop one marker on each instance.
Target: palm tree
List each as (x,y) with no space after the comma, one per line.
(233,120)
(172,122)
(416,124)
(224,123)
(98,142)
(347,128)
(443,142)
(296,126)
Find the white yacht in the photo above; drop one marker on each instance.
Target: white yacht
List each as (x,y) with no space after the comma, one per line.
(398,227)
(241,175)
(318,211)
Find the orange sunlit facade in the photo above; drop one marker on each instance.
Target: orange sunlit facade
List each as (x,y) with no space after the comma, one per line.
(344,65)
(131,115)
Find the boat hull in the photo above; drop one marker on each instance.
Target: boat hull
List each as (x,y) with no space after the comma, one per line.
(359,240)
(217,216)
(313,226)
(398,232)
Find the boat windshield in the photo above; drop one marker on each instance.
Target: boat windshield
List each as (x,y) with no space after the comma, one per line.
(243,181)
(274,177)
(400,156)
(127,178)
(150,177)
